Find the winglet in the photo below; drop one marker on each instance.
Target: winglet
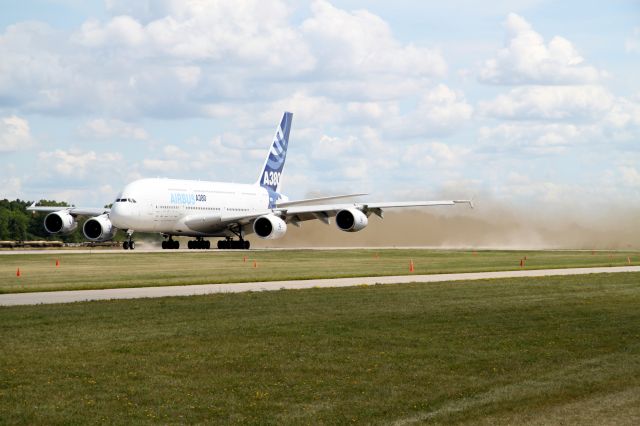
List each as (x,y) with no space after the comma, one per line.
(470,202)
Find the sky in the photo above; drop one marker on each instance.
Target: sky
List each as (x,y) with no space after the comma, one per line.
(532,103)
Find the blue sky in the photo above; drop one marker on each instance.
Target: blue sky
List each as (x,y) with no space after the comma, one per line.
(526,102)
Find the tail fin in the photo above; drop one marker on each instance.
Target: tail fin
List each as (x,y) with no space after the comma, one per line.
(272,170)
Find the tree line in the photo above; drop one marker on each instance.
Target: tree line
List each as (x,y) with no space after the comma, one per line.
(18,224)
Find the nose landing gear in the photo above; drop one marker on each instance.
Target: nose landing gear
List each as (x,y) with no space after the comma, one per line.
(129,244)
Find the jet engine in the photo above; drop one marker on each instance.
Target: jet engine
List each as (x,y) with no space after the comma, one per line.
(60,222)
(351,220)
(99,228)
(269,227)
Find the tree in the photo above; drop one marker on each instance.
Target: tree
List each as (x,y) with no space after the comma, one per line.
(16,223)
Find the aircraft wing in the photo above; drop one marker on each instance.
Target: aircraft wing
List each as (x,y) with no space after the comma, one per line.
(313,200)
(296,214)
(73,211)
(210,223)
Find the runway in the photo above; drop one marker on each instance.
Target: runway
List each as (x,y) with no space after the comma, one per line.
(193,290)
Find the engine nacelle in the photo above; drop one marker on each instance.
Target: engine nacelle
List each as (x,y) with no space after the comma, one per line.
(60,222)
(99,228)
(351,220)
(269,227)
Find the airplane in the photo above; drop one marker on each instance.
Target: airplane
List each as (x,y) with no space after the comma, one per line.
(201,209)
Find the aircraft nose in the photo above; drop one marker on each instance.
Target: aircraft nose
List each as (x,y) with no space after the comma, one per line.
(115,213)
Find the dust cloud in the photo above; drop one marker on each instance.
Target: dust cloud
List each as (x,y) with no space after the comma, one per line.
(488,226)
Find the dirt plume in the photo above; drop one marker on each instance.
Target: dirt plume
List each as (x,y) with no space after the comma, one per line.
(492,226)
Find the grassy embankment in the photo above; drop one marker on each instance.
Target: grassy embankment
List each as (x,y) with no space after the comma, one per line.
(545,350)
(131,269)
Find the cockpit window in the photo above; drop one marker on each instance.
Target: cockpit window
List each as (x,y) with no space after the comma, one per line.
(125,200)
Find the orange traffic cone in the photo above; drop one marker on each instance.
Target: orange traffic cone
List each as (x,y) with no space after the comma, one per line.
(521,263)
(244,259)
(255,263)
(18,272)
(628,260)
(411,267)
(57,263)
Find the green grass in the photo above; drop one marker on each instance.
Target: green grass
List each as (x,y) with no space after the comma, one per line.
(542,350)
(131,269)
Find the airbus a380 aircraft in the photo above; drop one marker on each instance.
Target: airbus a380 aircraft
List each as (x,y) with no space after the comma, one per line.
(215,209)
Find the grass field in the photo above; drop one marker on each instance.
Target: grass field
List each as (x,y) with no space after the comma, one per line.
(559,350)
(131,269)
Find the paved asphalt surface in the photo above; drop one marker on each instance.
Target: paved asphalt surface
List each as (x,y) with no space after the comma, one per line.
(191,290)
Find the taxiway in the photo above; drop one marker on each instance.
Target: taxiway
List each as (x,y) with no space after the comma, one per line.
(50,297)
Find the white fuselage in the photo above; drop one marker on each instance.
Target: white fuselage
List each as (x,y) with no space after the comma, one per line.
(171,206)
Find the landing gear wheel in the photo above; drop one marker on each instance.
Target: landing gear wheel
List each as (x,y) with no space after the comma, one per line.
(125,245)
(132,245)
(233,245)
(170,244)
(199,244)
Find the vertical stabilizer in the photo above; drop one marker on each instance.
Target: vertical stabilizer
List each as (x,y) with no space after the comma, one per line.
(272,170)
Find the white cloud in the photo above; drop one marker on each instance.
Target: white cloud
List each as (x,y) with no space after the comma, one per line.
(190,58)
(632,44)
(360,42)
(440,111)
(328,147)
(624,113)
(521,185)
(10,188)
(307,108)
(14,134)
(630,176)
(527,59)
(549,119)
(121,30)
(174,152)
(358,169)
(244,32)
(435,155)
(112,129)
(550,103)
(532,138)
(162,166)
(75,163)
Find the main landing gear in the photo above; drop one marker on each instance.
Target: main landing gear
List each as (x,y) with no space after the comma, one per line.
(199,244)
(229,243)
(129,244)
(232,244)
(170,244)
